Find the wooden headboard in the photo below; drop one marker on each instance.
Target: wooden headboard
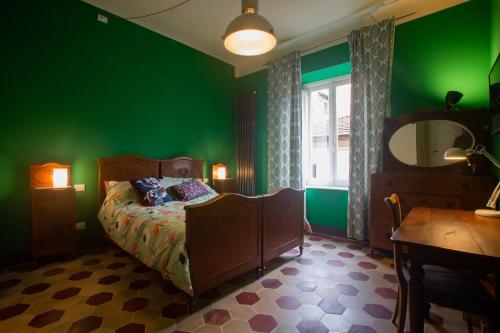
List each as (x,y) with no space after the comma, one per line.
(184,167)
(129,167)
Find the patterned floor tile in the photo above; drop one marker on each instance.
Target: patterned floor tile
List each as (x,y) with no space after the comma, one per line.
(262,323)
(46,318)
(87,324)
(336,285)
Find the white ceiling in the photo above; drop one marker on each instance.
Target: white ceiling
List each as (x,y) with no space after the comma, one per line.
(298,24)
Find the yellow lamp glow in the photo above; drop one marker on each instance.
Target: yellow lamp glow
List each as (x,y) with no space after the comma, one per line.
(219,171)
(60,177)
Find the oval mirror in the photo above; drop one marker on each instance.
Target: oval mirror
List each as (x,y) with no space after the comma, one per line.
(424,143)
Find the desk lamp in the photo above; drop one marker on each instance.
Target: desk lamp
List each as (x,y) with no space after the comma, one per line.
(459,154)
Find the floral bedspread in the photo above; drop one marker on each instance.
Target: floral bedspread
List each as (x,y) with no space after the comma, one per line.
(154,235)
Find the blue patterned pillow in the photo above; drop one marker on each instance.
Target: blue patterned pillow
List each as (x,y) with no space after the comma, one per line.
(150,191)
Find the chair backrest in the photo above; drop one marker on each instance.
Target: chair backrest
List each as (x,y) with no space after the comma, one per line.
(394,206)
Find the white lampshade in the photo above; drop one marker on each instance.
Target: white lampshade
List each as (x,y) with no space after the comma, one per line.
(249,34)
(60,177)
(455,154)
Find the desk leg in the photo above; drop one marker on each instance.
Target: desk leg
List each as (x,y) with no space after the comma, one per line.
(417,300)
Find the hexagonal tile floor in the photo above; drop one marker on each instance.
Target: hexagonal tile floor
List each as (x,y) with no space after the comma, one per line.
(335,286)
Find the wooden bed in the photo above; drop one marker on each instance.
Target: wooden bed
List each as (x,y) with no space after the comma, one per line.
(227,235)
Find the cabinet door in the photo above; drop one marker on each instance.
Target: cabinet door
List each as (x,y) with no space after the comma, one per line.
(53,221)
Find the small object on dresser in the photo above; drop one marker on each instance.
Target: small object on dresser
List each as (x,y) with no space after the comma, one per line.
(227,185)
(52,210)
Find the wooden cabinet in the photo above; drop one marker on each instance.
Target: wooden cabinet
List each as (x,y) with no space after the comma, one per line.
(52,221)
(227,185)
(52,212)
(421,190)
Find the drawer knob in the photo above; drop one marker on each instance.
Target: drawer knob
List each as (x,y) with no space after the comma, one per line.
(465,187)
(388,183)
(388,236)
(424,201)
(424,183)
(449,204)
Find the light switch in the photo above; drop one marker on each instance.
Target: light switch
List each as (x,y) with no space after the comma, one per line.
(79,187)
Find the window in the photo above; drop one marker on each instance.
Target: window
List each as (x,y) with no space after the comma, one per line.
(326,127)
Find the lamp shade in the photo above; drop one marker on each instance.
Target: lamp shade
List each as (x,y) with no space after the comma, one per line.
(455,154)
(60,177)
(219,171)
(249,34)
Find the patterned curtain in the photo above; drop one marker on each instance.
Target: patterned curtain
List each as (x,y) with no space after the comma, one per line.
(371,51)
(284,122)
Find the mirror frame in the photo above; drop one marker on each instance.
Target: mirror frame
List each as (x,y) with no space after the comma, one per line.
(474,120)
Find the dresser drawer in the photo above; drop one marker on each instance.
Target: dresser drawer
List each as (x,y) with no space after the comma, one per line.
(410,200)
(384,184)
(460,185)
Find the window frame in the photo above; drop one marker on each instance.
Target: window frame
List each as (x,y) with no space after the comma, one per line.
(330,84)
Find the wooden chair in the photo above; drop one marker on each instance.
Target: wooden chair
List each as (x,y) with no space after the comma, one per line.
(456,289)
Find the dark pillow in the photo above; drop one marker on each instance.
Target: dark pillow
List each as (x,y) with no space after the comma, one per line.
(187,190)
(150,191)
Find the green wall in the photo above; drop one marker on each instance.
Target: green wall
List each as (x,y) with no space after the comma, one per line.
(495,29)
(495,49)
(74,89)
(441,52)
(432,55)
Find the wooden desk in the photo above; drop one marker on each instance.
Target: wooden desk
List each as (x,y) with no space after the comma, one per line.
(446,237)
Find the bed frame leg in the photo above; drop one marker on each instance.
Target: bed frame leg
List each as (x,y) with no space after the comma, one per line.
(191,304)
(301,249)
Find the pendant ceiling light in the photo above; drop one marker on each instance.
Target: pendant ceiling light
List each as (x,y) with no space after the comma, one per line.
(249,34)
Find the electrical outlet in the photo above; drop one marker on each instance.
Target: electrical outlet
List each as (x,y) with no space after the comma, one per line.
(102,18)
(79,187)
(80,226)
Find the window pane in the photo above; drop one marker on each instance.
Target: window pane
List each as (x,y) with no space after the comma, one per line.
(343,108)
(320,167)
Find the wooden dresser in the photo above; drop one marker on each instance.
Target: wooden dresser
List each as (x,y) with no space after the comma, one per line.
(435,191)
(414,167)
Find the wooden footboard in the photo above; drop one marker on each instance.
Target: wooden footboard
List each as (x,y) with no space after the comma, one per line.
(283,222)
(223,239)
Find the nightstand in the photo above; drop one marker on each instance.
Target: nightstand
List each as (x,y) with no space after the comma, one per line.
(52,213)
(227,185)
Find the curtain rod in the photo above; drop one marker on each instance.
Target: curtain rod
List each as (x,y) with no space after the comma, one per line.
(305,51)
(345,36)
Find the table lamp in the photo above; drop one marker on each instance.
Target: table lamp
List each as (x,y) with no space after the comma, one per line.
(459,154)
(219,171)
(60,177)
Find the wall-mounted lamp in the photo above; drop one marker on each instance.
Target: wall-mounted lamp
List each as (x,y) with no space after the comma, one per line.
(458,154)
(219,171)
(60,177)
(451,99)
